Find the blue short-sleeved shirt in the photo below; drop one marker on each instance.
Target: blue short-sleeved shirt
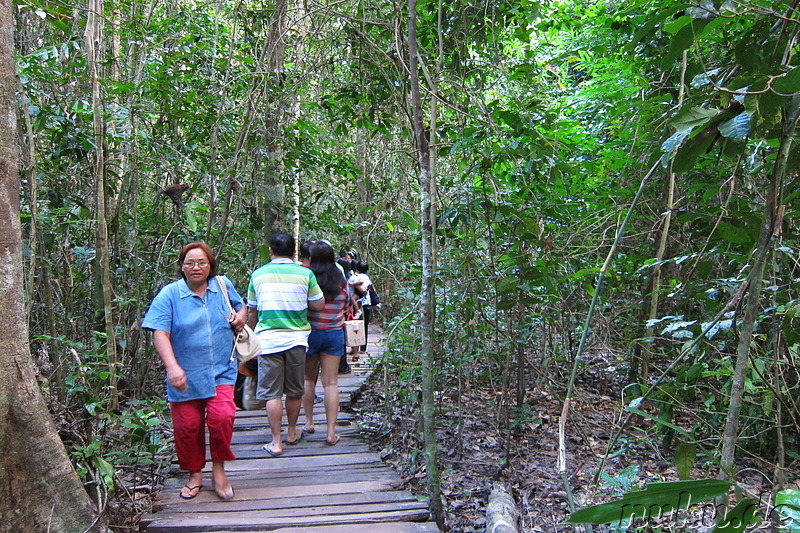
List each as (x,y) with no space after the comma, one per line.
(201,336)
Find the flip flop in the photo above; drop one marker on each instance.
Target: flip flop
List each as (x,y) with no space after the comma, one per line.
(267,449)
(310,430)
(190,496)
(298,439)
(334,443)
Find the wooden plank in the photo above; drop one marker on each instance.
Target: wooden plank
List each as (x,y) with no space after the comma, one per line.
(343,473)
(394,527)
(261,421)
(254,500)
(261,487)
(256,436)
(301,463)
(246,451)
(243,521)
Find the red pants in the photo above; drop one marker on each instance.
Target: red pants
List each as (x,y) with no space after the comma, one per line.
(189,421)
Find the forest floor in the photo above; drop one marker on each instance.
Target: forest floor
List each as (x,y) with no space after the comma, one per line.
(474,453)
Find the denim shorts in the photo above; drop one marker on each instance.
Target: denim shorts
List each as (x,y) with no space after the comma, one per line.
(329,341)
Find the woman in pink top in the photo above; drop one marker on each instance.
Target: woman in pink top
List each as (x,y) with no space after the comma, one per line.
(326,342)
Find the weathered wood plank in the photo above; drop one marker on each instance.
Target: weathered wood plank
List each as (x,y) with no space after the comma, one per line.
(394,527)
(239,521)
(261,487)
(255,436)
(256,499)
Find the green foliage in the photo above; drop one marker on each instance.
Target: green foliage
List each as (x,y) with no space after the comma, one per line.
(623,481)
(655,501)
(787,504)
(548,117)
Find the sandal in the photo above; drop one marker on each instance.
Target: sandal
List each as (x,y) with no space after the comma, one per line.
(298,439)
(191,494)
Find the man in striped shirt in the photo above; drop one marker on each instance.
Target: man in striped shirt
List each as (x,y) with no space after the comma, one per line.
(279,296)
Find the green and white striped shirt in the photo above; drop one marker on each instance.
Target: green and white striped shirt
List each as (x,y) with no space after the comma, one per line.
(280,291)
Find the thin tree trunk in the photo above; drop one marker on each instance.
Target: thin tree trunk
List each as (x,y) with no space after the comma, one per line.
(30,177)
(770,227)
(41,491)
(428,213)
(93,40)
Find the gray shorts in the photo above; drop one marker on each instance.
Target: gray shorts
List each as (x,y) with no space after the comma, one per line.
(281,373)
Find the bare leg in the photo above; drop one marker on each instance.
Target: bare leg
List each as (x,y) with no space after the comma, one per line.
(330,378)
(275,415)
(292,414)
(309,395)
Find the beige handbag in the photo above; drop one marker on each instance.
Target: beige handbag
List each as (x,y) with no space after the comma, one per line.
(354,333)
(247,345)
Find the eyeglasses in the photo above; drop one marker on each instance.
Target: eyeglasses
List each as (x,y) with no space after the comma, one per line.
(192,264)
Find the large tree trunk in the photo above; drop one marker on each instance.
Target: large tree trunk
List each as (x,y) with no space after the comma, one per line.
(40,490)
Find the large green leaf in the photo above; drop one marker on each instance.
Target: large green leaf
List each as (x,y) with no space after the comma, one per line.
(657,499)
(788,83)
(737,519)
(787,504)
(693,117)
(736,128)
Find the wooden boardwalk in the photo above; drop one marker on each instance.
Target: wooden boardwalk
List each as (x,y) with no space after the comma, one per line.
(315,488)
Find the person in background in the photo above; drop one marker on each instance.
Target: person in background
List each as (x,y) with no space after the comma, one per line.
(304,256)
(326,344)
(304,252)
(279,296)
(347,270)
(361,284)
(193,332)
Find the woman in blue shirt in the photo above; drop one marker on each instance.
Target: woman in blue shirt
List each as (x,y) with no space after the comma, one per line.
(193,333)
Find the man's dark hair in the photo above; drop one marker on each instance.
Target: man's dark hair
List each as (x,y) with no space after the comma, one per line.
(346,266)
(282,245)
(361,266)
(304,252)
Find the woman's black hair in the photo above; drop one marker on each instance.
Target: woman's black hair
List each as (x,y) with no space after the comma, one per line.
(323,264)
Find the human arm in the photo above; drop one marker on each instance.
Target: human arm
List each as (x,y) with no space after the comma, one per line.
(239,318)
(175,373)
(252,317)
(317,305)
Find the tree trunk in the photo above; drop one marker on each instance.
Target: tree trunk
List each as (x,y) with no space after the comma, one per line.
(770,227)
(93,39)
(428,214)
(41,491)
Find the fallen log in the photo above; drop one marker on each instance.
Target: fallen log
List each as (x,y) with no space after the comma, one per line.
(502,514)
